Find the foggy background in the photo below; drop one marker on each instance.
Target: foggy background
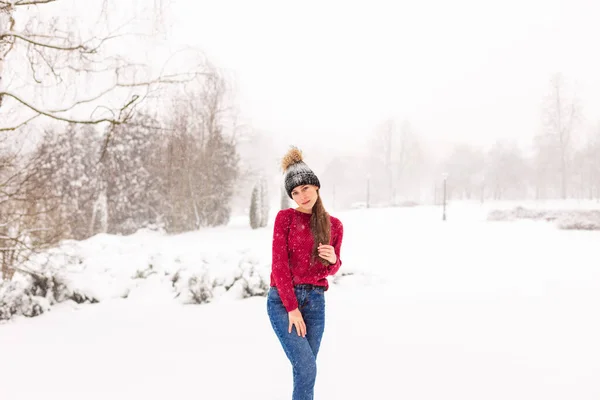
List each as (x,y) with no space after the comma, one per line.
(169,114)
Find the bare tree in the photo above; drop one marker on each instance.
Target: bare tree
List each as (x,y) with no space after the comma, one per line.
(383,150)
(55,59)
(546,166)
(586,167)
(560,117)
(198,163)
(395,155)
(465,167)
(24,210)
(257,158)
(594,163)
(409,160)
(506,172)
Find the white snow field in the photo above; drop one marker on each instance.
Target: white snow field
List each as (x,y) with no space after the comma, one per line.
(459,310)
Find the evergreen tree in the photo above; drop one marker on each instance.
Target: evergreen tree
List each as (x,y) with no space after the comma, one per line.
(66,166)
(255,208)
(259,205)
(264,202)
(285,199)
(132,192)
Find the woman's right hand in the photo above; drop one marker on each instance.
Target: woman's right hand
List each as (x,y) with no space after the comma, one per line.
(296,319)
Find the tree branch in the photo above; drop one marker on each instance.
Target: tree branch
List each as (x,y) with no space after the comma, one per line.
(14,128)
(28,39)
(12,43)
(74,121)
(33,2)
(166,79)
(48,63)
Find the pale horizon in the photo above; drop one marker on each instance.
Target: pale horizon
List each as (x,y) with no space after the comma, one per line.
(321,72)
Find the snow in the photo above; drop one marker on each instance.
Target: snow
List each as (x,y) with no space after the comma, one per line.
(465,309)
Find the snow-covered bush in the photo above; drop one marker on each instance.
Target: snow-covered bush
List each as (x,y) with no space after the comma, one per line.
(407,203)
(523,213)
(564,219)
(54,286)
(33,294)
(583,220)
(253,282)
(201,288)
(16,298)
(204,285)
(193,268)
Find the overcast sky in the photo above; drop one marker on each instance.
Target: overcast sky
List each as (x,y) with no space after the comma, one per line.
(320,71)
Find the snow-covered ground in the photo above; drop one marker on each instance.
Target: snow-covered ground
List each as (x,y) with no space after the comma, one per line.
(464,309)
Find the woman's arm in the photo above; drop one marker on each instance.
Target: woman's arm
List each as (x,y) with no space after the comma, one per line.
(282,272)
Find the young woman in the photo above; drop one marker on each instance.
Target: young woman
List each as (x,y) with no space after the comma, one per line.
(306,249)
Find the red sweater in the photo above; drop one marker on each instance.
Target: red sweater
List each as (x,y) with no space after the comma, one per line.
(292,254)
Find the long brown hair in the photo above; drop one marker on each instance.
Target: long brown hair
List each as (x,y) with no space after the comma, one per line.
(320,226)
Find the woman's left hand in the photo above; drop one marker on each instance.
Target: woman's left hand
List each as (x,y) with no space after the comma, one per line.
(327,252)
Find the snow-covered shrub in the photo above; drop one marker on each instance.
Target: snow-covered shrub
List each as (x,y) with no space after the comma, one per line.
(583,220)
(16,298)
(144,273)
(407,203)
(145,266)
(253,282)
(54,286)
(206,284)
(501,215)
(340,276)
(201,288)
(523,213)
(565,219)
(33,293)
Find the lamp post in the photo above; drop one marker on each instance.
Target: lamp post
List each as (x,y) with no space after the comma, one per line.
(445,175)
(482,189)
(368,189)
(333,197)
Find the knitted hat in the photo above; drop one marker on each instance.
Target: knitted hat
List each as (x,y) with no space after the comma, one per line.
(297,173)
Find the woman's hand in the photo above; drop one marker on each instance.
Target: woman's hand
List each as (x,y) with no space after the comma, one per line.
(327,252)
(296,319)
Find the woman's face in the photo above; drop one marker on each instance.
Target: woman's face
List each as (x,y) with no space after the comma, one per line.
(305,196)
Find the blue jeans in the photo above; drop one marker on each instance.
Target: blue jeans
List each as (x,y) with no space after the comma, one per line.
(301,351)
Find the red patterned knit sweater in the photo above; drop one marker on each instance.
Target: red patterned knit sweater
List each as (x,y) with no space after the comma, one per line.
(292,247)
